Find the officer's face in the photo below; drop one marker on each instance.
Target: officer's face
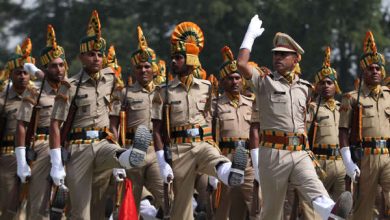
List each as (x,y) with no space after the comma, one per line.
(327,88)
(372,75)
(92,61)
(284,62)
(233,83)
(55,70)
(20,78)
(179,65)
(143,73)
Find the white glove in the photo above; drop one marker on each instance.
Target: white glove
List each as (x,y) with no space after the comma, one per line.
(30,68)
(119,174)
(23,169)
(254,30)
(165,169)
(147,210)
(255,162)
(213,182)
(351,168)
(57,171)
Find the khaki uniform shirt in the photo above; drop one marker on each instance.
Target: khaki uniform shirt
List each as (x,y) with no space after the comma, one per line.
(11,108)
(139,105)
(376,114)
(93,99)
(327,122)
(187,108)
(30,97)
(234,122)
(282,106)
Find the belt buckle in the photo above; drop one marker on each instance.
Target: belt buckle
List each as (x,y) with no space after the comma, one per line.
(336,152)
(92,134)
(193,132)
(380,143)
(293,141)
(239,143)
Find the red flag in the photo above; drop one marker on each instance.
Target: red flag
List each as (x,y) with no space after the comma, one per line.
(128,211)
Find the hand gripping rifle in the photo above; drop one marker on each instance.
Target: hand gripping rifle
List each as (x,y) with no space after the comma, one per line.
(168,187)
(57,196)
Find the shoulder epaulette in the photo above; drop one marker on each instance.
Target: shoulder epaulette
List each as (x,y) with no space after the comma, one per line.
(205,82)
(250,98)
(306,83)
(385,88)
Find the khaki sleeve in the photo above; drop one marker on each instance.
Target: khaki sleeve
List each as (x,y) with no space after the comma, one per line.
(26,106)
(116,101)
(346,111)
(157,104)
(61,103)
(255,117)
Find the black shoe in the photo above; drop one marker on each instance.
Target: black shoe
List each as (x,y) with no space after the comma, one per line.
(343,206)
(240,158)
(141,143)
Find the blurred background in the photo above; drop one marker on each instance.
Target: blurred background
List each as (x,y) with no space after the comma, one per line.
(314,24)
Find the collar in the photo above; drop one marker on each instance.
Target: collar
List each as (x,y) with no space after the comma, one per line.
(137,87)
(13,94)
(279,77)
(224,99)
(176,81)
(367,91)
(47,88)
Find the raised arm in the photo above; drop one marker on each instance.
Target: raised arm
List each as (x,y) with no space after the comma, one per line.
(254,31)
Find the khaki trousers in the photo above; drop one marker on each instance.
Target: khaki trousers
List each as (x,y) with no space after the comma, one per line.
(375,169)
(38,184)
(148,176)
(87,162)
(8,182)
(236,202)
(334,183)
(189,159)
(278,170)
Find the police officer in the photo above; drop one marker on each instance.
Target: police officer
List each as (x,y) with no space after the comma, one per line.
(91,152)
(53,60)
(137,99)
(324,121)
(374,100)
(234,113)
(282,97)
(10,100)
(191,141)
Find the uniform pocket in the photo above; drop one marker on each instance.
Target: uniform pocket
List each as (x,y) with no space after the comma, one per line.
(279,102)
(227,121)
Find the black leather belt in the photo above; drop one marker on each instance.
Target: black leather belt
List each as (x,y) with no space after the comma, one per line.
(84,135)
(42,130)
(231,144)
(326,151)
(376,144)
(185,134)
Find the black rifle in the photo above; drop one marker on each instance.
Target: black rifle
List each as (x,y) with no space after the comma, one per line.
(31,155)
(168,188)
(355,137)
(313,125)
(67,126)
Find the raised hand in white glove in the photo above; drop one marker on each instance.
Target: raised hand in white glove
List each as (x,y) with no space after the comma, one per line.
(351,168)
(255,162)
(57,171)
(119,174)
(30,68)
(213,182)
(165,170)
(254,30)
(23,169)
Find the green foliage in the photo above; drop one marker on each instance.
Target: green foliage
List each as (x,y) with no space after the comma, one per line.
(314,24)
